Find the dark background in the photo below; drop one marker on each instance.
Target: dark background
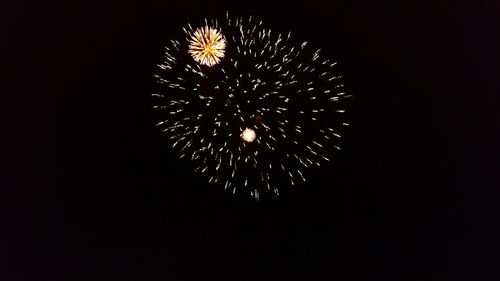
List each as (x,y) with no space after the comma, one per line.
(89,190)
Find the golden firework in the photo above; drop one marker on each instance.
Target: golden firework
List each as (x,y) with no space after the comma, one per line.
(248,135)
(207,46)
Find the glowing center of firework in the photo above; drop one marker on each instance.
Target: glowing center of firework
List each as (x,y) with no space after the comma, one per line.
(248,135)
(207,45)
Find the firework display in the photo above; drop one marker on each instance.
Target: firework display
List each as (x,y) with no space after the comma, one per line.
(252,110)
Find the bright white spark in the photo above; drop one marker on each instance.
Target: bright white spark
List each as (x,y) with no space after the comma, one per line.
(248,135)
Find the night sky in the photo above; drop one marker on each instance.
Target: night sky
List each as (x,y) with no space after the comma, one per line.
(90,190)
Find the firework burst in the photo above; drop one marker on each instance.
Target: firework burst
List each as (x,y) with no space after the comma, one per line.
(256,121)
(248,135)
(207,45)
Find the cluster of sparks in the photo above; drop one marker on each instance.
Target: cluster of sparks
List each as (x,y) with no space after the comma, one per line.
(248,135)
(253,112)
(207,46)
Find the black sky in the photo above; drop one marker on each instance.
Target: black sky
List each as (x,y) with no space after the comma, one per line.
(89,190)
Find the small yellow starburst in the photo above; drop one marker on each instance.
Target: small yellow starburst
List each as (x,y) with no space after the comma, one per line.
(248,135)
(207,46)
